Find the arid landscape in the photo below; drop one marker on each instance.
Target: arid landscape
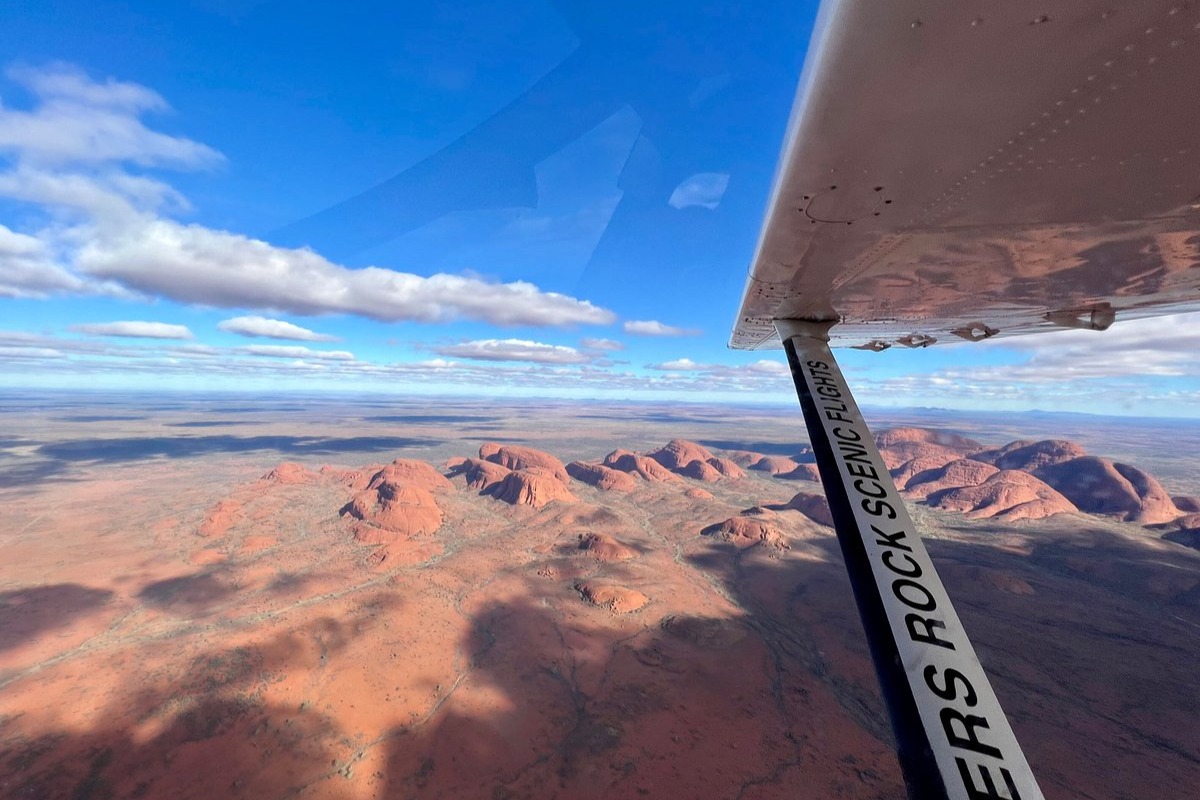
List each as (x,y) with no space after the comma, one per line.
(366,597)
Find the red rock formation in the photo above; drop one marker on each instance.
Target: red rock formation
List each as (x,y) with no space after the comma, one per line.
(1098,486)
(904,473)
(701,471)
(803,472)
(956,474)
(601,477)
(455,463)
(221,518)
(1008,495)
(1030,456)
(899,445)
(627,461)
(606,548)
(403,511)
(482,474)
(412,473)
(726,467)
(516,458)
(776,465)
(693,461)
(618,599)
(745,458)
(744,531)
(698,494)
(289,473)
(354,479)
(1187,504)
(678,453)
(813,506)
(897,436)
(531,487)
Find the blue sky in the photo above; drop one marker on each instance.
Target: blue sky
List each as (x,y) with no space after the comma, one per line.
(542,198)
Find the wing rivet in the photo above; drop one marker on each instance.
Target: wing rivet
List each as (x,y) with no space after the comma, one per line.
(1040,19)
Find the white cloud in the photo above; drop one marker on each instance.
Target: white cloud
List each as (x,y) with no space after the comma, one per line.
(27,269)
(610,345)
(764,368)
(105,228)
(1163,346)
(295,351)
(650,327)
(136,330)
(704,189)
(79,120)
(513,350)
(193,264)
(678,365)
(272,329)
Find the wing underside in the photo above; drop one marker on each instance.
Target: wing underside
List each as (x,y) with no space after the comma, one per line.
(964,170)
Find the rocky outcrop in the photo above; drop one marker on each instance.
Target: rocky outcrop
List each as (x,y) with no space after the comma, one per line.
(747,530)
(1099,486)
(802,472)
(393,511)
(745,458)
(480,475)
(956,474)
(642,466)
(899,445)
(601,477)
(289,473)
(517,458)
(1187,504)
(904,473)
(1029,456)
(678,453)
(410,472)
(694,461)
(813,506)
(606,548)
(618,599)
(700,471)
(1006,495)
(774,465)
(221,518)
(533,486)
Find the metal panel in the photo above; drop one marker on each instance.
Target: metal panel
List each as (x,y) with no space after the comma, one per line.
(962,170)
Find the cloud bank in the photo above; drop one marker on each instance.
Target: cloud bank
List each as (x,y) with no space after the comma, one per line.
(271,329)
(135,330)
(513,350)
(108,229)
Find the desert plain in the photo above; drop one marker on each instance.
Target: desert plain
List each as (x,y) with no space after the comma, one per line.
(380,597)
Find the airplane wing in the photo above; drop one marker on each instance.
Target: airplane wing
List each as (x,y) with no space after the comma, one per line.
(963,170)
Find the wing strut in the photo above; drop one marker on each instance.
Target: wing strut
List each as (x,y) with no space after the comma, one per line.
(953,739)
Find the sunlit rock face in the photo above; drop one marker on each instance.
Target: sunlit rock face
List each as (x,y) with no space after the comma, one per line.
(518,458)
(1008,494)
(601,477)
